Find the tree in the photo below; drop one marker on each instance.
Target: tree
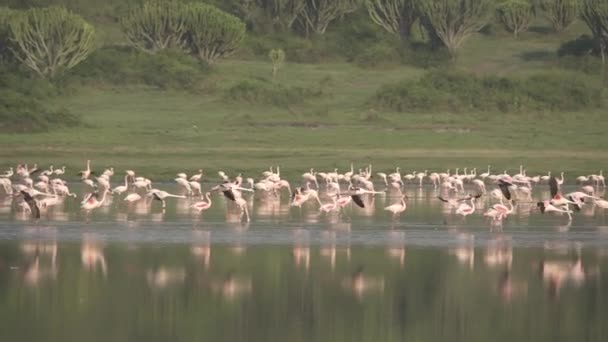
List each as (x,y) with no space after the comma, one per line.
(277,57)
(211,33)
(317,14)
(395,16)
(5,14)
(50,40)
(595,15)
(456,20)
(516,15)
(561,13)
(281,13)
(156,25)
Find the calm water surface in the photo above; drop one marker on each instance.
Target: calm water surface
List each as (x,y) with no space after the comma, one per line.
(136,273)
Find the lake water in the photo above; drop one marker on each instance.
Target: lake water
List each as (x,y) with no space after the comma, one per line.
(136,273)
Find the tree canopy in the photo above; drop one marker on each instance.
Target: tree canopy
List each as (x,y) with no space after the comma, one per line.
(50,40)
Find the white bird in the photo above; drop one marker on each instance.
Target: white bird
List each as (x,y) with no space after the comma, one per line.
(197,177)
(397,208)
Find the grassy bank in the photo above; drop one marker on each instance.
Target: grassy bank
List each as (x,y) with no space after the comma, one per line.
(330,122)
(161,132)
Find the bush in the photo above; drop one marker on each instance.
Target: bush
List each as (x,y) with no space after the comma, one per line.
(588,64)
(582,46)
(423,55)
(23,104)
(168,69)
(376,55)
(455,91)
(260,92)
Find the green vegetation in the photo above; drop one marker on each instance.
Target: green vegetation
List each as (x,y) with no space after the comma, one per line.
(50,40)
(395,16)
(516,15)
(155,26)
(22,105)
(455,21)
(377,85)
(595,15)
(212,34)
(277,58)
(455,92)
(561,13)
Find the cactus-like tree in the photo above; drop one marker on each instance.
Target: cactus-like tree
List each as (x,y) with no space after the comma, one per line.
(50,40)
(395,16)
(318,14)
(282,13)
(516,15)
(595,15)
(155,25)
(211,33)
(5,14)
(561,13)
(277,57)
(454,21)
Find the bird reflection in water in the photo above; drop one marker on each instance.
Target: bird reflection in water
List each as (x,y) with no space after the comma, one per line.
(396,246)
(499,252)
(329,249)
(510,288)
(465,252)
(91,254)
(557,274)
(361,284)
(164,277)
(232,287)
(301,248)
(201,247)
(38,267)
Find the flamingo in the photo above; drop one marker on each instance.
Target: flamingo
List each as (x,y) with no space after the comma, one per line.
(31,203)
(8,174)
(556,197)
(196,188)
(93,201)
(421,176)
(160,195)
(197,177)
(59,172)
(485,175)
(330,206)
(183,182)
(546,206)
(465,209)
(203,205)
(47,172)
(121,188)
(397,208)
(382,176)
(598,179)
(86,173)
(311,177)
(108,172)
(134,197)
(602,203)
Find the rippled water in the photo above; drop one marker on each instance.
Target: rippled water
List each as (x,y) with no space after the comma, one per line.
(138,273)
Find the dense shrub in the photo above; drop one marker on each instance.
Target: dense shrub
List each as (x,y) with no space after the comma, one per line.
(582,46)
(261,92)
(455,91)
(423,55)
(123,65)
(588,64)
(24,104)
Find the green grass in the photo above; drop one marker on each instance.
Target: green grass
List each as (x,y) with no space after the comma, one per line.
(161,132)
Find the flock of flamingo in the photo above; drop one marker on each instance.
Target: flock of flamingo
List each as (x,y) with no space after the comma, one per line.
(331,191)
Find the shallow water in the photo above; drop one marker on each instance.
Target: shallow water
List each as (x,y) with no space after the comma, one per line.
(138,273)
